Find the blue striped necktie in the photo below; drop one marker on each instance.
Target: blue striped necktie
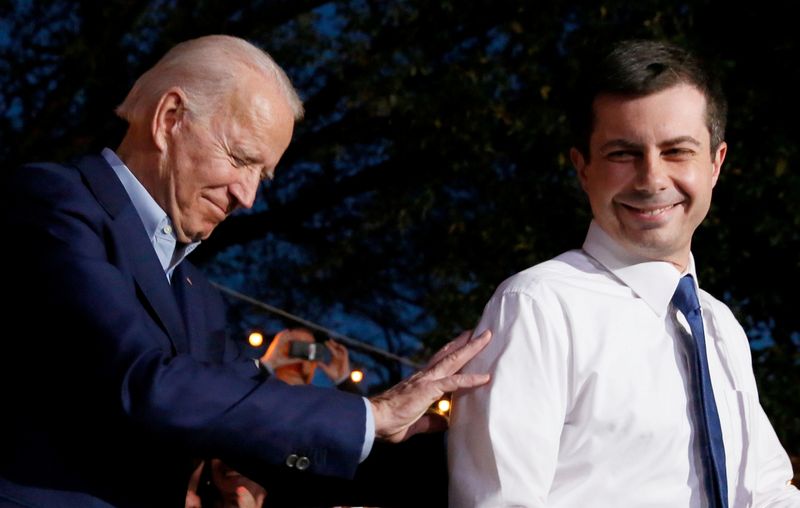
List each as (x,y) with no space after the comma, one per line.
(712,449)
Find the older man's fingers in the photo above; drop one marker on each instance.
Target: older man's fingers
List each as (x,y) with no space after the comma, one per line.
(456,358)
(454,344)
(461,381)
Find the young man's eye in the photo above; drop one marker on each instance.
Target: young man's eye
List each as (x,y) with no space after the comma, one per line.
(679,153)
(620,155)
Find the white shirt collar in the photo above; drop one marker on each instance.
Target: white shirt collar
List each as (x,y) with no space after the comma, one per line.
(153,217)
(653,281)
(156,223)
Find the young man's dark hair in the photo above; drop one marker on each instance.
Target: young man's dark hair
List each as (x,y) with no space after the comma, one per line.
(641,67)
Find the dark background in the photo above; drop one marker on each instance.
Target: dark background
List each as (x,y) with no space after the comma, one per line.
(432,161)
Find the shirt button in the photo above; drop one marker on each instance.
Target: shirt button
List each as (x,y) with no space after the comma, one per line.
(303,463)
(291,460)
(167,230)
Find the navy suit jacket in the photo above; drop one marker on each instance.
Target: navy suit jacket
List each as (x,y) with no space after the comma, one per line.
(113,381)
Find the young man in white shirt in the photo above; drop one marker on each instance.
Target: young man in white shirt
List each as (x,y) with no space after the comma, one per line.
(596,396)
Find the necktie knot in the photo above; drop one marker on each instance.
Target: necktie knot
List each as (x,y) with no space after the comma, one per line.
(685,297)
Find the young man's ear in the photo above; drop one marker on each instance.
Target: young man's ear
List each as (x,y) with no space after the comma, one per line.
(168,115)
(579,163)
(716,165)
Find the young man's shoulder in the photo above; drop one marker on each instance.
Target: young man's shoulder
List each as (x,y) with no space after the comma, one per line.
(573,269)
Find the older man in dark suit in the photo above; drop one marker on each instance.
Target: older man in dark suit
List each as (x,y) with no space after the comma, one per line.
(118,372)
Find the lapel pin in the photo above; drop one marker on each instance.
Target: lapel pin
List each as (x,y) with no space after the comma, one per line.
(189,280)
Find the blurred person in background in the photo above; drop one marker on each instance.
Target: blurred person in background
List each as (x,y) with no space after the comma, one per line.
(300,370)
(215,485)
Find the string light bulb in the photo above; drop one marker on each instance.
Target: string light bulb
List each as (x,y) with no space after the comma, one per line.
(441,407)
(256,338)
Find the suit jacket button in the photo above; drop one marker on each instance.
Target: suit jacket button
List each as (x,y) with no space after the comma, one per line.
(303,463)
(291,460)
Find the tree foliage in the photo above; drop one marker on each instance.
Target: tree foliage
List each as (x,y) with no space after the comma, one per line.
(432,161)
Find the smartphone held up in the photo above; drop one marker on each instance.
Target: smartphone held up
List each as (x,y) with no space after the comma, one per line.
(305,350)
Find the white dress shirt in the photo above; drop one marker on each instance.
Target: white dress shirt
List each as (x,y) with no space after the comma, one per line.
(589,403)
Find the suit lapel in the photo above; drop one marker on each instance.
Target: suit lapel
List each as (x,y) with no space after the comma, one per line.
(185,296)
(138,254)
(206,341)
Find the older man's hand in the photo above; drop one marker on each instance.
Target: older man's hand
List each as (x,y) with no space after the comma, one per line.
(400,412)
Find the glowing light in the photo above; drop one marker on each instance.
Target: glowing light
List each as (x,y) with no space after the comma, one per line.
(356,376)
(443,406)
(255,339)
